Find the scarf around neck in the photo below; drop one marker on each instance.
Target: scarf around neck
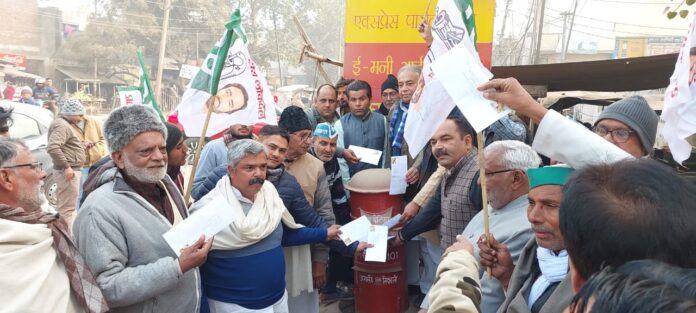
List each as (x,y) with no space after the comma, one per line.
(82,281)
(273,174)
(396,131)
(554,268)
(262,219)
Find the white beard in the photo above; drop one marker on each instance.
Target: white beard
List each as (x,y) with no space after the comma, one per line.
(144,175)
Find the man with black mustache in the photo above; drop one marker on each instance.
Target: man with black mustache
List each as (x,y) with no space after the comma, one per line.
(246,267)
(459,196)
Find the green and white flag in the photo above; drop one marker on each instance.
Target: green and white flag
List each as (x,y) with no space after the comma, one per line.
(130,95)
(148,95)
(453,25)
(230,85)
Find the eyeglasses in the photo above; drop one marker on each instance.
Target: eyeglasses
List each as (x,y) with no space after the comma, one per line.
(36,166)
(498,172)
(619,135)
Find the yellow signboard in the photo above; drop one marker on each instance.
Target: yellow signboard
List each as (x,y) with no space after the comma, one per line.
(390,21)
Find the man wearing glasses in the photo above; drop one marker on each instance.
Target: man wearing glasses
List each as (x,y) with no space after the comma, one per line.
(630,124)
(42,269)
(629,127)
(506,164)
(309,172)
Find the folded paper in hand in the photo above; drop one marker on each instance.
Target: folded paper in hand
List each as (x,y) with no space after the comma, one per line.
(366,155)
(207,221)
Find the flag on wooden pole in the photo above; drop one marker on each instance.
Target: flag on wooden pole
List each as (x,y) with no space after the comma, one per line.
(229,86)
(148,96)
(453,23)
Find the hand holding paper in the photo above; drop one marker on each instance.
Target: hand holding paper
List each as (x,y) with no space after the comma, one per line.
(461,72)
(208,221)
(355,230)
(367,155)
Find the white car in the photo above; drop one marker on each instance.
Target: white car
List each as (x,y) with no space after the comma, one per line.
(30,123)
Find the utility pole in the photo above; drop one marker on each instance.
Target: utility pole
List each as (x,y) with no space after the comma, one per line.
(540,31)
(563,37)
(275,34)
(197,49)
(570,30)
(163,45)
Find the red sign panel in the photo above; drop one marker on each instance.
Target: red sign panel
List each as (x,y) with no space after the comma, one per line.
(372,62)
(20,61)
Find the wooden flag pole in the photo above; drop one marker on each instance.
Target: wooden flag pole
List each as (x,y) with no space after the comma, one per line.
(197,156)
(425,16)
(484,193)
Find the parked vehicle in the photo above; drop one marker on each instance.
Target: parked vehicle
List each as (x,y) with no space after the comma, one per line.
(30,123)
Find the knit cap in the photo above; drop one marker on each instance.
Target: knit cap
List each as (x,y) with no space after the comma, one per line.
(71,107)
(127,122)
(294,119)
(390,83)
(325,130)
(635,112)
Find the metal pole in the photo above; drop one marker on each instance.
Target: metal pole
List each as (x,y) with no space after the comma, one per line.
(570,30)
(563,40)
(541,13)
(163,45)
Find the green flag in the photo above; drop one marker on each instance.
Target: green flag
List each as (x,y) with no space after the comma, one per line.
(148,95)
(467,8)
(229,86)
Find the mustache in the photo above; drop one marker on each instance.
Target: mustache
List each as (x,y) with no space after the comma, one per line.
(440,152)
(256,180)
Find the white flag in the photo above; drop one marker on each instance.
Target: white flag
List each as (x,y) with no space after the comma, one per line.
(242,94)
(454,22)
(679,111)
(130,95)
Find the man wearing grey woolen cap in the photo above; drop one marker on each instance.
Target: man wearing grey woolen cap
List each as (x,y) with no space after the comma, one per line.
(120,224)
(630,124)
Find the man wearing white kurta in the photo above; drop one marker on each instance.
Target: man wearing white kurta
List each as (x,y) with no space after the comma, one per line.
(506,162)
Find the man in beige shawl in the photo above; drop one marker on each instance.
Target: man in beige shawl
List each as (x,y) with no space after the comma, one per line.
(42,270)
(245,270)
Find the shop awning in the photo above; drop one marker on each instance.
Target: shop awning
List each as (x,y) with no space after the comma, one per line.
(629,74)
(17,73)
(84,77)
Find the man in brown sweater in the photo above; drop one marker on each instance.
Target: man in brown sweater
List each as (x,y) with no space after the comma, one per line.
(67,151)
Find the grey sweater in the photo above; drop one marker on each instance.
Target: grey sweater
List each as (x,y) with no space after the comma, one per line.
(120,236)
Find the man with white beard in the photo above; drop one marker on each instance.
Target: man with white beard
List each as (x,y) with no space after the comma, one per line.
(120,224)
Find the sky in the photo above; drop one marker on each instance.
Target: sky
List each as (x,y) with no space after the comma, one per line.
(597,21)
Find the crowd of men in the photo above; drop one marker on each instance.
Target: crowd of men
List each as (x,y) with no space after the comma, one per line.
(597,227)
